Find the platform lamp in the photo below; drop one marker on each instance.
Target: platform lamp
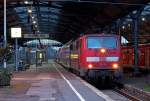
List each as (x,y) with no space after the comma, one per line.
(16,33)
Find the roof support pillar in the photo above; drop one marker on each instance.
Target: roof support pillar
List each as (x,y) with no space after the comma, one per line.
(5,31)
(135,18)
(118,25)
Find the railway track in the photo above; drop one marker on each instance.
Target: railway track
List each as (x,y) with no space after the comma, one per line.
(133,94)
(130,97)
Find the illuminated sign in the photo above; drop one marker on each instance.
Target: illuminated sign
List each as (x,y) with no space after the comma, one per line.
(15,32)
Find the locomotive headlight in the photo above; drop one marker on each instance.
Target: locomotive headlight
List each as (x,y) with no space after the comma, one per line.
(103,50)
(115,66)
(90,66)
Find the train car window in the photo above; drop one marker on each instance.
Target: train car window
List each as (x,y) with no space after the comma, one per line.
(102,42)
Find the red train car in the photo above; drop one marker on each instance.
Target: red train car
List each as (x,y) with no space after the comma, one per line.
(127,54)
(95,55)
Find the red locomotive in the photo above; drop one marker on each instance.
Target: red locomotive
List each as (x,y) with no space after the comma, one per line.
(143,54)
(94,55)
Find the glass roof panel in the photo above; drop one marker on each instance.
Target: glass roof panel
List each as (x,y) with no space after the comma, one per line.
(54,10)
(54,16)
(44,9)
(43,42)
(56,4)
(20,9)
(44,15)
(124,40)
(146,10)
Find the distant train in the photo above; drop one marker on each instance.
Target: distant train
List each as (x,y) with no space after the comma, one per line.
(93,55)
(143,57)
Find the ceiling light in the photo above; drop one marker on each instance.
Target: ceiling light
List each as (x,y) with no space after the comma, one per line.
(123,27)
(34,22)
(32,17)
(129,25)
(26,2)
(29,11)
(143,19)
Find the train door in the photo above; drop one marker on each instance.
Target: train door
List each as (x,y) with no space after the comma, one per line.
(132,59)
(78,44)
(70,57)
(74,55)
(149,56)
(130,55)
(142,56)
(124,56)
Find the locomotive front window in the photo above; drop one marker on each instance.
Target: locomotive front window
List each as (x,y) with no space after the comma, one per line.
(101,42)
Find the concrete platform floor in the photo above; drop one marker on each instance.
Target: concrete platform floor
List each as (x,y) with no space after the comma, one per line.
(50,82)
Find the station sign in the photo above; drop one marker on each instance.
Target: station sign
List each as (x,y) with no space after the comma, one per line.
(16,32)
(41,36)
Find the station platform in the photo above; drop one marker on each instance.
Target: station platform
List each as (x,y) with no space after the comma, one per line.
(50,82)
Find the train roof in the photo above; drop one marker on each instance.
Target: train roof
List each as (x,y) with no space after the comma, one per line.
(130,45)
(86,35)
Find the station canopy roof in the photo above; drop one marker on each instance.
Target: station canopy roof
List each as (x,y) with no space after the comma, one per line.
(64,20)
